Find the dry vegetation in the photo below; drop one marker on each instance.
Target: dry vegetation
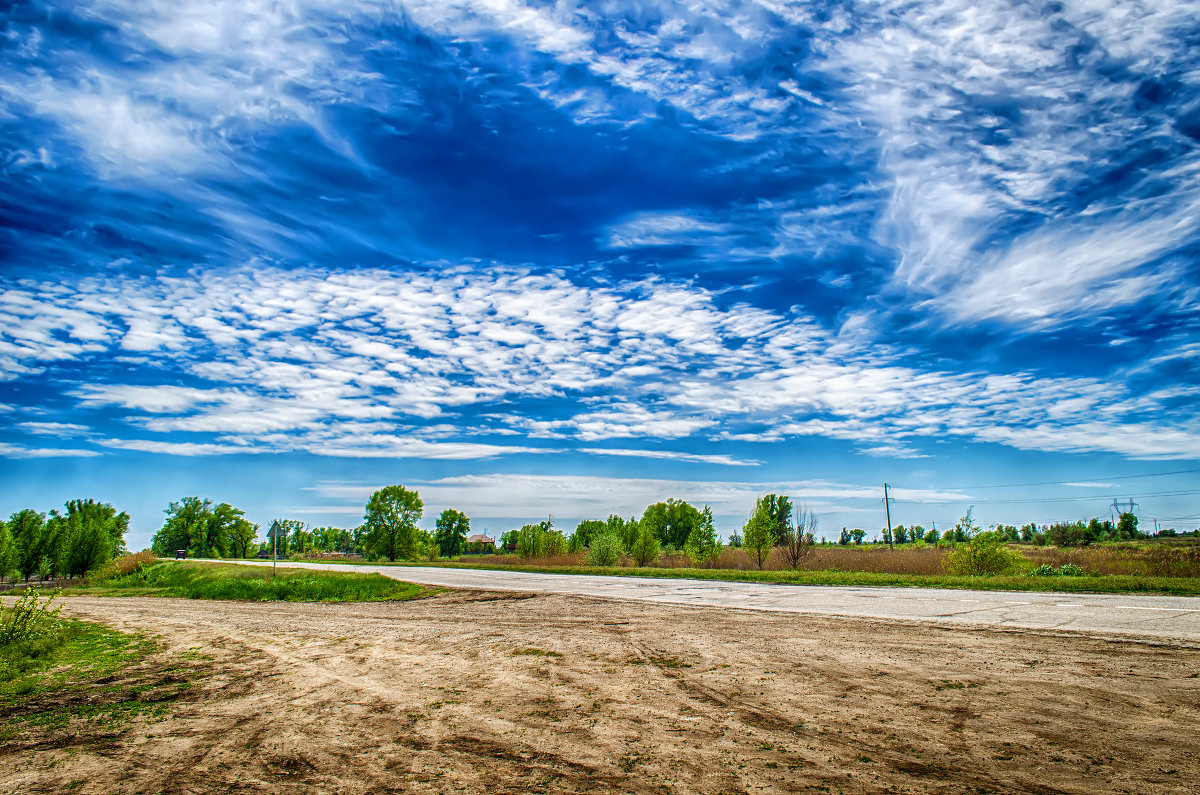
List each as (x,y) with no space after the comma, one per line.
(1152,560)
(504,693)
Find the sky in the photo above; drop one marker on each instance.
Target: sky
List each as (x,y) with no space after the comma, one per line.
(570,259)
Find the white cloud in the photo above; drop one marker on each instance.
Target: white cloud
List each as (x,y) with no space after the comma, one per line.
(16,451)
(336,363)
(66,429)
(670,455)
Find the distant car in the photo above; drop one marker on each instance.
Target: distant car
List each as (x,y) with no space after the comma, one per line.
(181,554)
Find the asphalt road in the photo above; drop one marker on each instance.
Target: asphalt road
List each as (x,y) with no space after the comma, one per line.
(1125,614)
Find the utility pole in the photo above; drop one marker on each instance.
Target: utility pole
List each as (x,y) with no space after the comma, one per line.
(274,546)
(887,507)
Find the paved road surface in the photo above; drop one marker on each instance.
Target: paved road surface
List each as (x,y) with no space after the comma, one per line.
(1150,616)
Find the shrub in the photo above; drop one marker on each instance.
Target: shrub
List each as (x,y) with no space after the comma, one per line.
(28,619)
(1065,570)
(127,564)
(605,550)
(985,553)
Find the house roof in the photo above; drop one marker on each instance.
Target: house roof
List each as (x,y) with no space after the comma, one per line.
(480,537)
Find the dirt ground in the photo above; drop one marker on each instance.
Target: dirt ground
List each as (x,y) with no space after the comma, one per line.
(502,693)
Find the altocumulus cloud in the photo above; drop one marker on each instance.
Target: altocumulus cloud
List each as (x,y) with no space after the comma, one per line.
(356,364)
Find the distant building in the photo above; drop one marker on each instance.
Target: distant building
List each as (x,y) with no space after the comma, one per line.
(481,542)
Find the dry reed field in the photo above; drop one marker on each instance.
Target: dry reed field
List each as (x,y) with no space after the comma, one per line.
(1148,560)
(511,693)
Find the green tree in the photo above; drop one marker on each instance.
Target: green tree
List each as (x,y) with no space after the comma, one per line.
(198,526)
(984,553)
(703,546)
(391,520)
(451,532)
(90,544)
(585,531)
(56,543)
(645,547)
(28,531)
(857,535)
(671,521)
(94,533)
(241,538)
(1127,526)
(8,552)
(540,540)
(605,549)
(759,533)
(844,538)
(779,515)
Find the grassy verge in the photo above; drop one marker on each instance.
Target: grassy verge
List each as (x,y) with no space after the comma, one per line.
(1179,586)
(52,682)
(252,583)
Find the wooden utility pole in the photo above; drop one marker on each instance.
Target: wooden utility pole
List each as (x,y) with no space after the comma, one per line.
(887,507)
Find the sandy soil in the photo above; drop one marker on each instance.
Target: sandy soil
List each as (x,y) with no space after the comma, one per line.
(500,693)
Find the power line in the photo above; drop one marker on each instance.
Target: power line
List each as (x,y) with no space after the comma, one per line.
(1073,480)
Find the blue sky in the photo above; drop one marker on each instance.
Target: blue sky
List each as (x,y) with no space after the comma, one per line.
(571,259)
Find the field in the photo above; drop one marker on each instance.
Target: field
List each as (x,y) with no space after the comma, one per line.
(513,693)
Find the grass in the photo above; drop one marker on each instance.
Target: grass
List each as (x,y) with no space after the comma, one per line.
(253,583)
(50,680)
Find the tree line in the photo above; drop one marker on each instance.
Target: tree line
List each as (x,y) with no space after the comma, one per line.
(71,543)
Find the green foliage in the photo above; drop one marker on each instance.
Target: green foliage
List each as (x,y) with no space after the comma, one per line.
(540,540)
(857,535)
(703,546)
(604,550)
(1065,570)
(281,536)
(8,552)
(391,523)
(1127,526)
(585,531)
(671,521)
(255,583)
(645,547)
(29,618)
(778,513)
(451,532)
(198,526)
(760,531)
(844,538)
(28,531)
(985,553)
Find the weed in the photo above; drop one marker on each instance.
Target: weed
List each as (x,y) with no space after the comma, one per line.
(253,583)
(531,652)
(30,619)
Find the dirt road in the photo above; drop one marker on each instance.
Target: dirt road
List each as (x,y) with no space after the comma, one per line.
(503,693)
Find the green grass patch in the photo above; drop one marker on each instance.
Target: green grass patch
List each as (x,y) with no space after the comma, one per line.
(1132,583)
(195,580)
(49,680)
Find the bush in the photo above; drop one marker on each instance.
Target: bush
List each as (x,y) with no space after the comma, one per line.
(985,553)
(605,550)
(28,619)
(126,565)
(1065,570)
